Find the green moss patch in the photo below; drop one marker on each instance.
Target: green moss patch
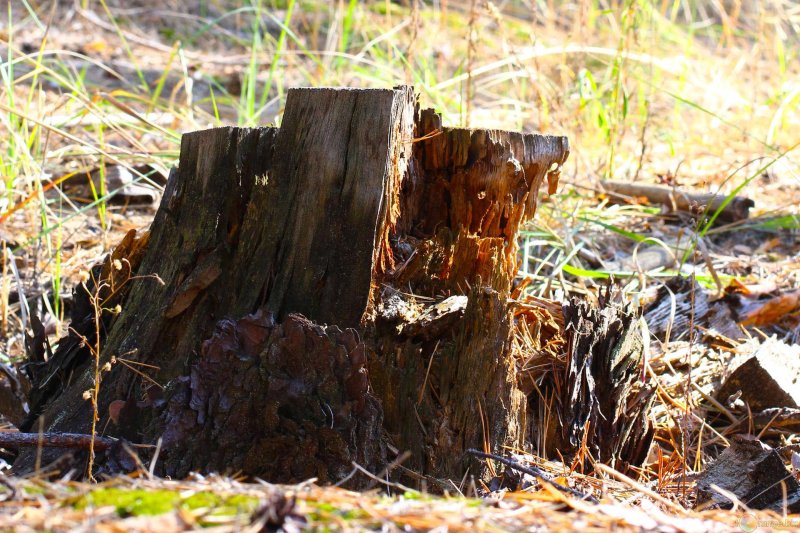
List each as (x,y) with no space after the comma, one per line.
(143,502)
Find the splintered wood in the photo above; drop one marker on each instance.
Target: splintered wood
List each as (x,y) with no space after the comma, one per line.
(460,207)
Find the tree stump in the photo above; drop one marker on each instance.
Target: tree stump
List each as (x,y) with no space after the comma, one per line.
(324,286)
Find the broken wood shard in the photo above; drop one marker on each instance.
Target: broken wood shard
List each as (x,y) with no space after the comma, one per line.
(766,379)
(754,473)
(13,439)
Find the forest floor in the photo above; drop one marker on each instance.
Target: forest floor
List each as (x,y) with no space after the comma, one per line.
(94,96)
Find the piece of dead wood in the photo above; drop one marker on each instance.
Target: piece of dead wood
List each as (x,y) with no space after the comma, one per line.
(769,378)
(679,303)
(536,473)
(777,419)
(738,208)
(12,394)
(604,402)
(16,440)
(436,319)
(357,190)
(754,473)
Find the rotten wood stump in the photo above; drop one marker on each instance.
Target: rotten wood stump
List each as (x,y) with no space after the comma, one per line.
(311,296)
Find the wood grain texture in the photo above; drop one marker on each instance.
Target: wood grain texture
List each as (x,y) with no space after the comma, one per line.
(696,203)
(282,219)
(604,401)
(317,215)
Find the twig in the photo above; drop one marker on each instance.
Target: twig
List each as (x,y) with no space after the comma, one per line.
(619,476)
(373,477)
(535,472)
(14,439)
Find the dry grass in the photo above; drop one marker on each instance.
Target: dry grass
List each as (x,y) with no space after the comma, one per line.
(227,505)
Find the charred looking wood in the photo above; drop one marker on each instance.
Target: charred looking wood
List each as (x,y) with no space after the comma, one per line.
(605,402)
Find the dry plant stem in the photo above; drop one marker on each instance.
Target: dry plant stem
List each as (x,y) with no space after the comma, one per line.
(473,15)
(97,306)
(689,408)
(96,389)
(412,41)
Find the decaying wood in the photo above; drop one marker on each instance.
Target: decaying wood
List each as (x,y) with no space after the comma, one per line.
(536,473)
(12,392)
(279,401)
(681,303)
(458,391)
(738,208)
(280,219)
(459,209)
(754,473)
(14,440)
(768,378)
(360,212)
(777,419)
(604,398)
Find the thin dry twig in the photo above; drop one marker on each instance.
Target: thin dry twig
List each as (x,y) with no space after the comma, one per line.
(533,471)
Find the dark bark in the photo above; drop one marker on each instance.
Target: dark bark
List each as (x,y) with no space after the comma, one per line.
(282,401)
(12,439)
(280,219)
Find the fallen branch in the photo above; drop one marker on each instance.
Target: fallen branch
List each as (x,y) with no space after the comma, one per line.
(14,439)
(737,209)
